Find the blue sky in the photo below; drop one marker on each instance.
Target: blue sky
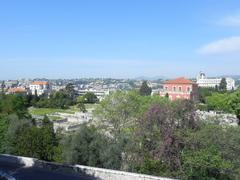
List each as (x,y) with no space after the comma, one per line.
(118,38)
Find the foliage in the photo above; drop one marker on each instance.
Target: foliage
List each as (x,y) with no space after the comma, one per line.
(46,111)
(71,91)
(204,92)
(223,85)
(61,99)
(13,104)
(120,110)
(158,136)
(145,90)
(89,147)
(234,103)
(25,139)
(205,163)
(19,133)
(166,138)
(218,102)
(3,131)
(219,142)
(82,107)
(145,134)
(89,97)
(226,102)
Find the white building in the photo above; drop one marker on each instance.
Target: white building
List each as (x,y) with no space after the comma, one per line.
(57,88)
(99,93)
(203,81)
(39,87)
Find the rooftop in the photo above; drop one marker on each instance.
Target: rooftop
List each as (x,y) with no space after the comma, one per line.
(180,80)
(39,83)
(16,90)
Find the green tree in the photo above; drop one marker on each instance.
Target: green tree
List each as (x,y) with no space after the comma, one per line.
(223,85)
(218,102)
(10,104)
(89,147)
(49,140)
(26,139)
(71,91)
(145,90)
(205,92)
(90,97)
(80,99)
(167,95)
(17,127)
(3,131)
(119,111)
(213,147)
(2,87)
(82,107)
(234,103)
(205,164)
(159,136)
(60,99)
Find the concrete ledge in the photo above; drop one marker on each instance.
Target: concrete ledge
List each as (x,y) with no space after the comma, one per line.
(108,174)
(98,173)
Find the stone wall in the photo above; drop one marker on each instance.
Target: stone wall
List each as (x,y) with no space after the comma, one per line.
(98,173)
(107,174)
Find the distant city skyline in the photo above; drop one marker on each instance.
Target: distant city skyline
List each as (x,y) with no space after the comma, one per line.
(118,39)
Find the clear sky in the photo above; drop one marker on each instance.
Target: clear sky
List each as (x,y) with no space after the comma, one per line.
(118,38)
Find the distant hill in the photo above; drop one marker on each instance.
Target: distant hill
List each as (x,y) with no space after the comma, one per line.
(150,78)
(235,77)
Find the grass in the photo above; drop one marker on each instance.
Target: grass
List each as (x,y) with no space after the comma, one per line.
(46,111)
(54,118)
(90,106)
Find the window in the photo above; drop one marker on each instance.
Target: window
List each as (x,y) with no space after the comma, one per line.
(188,89)
(180,89)
(174,89)
(166,88)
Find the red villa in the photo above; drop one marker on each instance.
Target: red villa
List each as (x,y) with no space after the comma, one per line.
(180,88)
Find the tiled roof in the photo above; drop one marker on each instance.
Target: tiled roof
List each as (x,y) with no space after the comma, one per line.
(180,80)
(39,83)
(16,90)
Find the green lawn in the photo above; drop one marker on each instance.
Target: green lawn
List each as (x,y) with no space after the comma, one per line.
(45,111)
(48,111)
(89,106)
(54,118)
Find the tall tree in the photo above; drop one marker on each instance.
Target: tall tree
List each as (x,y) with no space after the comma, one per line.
(90,97)
(26,139)
(145,90)
(71,91)
(118,111)
(2,87)
(82,107)
(223,85)
(235,104)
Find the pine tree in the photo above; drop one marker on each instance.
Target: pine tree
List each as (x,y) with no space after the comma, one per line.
(223,85)
(145,90)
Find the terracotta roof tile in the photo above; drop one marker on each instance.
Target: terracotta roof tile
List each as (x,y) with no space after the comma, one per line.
(180,80)
(16,90)
(39,83)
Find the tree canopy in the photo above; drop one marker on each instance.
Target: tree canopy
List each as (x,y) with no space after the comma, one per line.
(145,90)
(223,85)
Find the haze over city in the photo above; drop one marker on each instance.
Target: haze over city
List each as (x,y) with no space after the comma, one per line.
(120,39)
